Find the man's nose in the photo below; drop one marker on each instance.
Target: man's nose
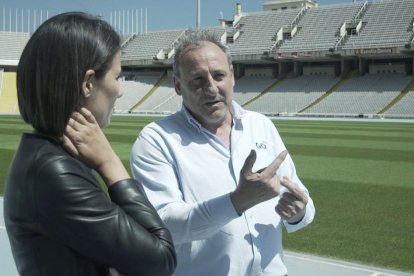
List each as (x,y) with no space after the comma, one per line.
(211,87)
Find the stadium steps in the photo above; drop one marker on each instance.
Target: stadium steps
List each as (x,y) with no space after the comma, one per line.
(362,11)
(403,93)
(8,95)
(169,99)
(331,90)
(274,84)
(152,91)
(128,40)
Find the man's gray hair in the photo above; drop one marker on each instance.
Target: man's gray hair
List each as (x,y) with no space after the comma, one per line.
(195,37)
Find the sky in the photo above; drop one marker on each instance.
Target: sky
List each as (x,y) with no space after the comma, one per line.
(130,15)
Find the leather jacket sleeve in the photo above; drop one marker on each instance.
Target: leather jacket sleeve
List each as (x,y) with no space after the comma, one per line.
(123,230)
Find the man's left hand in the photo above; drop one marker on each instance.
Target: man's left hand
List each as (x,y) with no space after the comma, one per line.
(292,203)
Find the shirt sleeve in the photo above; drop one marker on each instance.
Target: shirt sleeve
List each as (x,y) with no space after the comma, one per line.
(288,169)
(307,219)
(122,231)
(153,165)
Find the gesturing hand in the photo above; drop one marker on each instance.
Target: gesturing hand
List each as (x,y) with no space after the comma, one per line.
(256,187)
(292,204)
(85,140)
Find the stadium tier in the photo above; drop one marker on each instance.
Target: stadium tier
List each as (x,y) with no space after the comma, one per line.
(351,59)
(385,24)
(319,27)
(11,46)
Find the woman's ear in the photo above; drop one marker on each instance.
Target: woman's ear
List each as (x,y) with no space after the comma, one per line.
(87,83)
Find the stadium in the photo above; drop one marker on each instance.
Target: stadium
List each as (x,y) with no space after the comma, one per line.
(347,60)
(338,82)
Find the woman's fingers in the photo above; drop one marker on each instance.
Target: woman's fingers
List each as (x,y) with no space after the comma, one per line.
(69,146)
(88,116)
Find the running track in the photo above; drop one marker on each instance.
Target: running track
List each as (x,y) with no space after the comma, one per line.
(298,264)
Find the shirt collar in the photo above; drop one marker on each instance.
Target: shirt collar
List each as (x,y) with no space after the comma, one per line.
(237,111)
(238,114)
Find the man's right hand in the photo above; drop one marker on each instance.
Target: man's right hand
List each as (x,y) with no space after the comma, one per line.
(257,187)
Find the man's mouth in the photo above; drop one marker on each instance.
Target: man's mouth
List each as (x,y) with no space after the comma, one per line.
(212,103)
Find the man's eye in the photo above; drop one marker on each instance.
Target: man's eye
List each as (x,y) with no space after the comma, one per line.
(219,76)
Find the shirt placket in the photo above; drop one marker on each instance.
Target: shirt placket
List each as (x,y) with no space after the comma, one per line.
(236,165)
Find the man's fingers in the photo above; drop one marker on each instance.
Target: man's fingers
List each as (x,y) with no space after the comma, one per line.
(286,214)
(293,189)
(274,166)
(248,163)
(288,197)
(288,184)
(278,160)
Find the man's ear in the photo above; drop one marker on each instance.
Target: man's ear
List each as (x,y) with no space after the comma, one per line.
(232,75)
(87,83)
(177,86)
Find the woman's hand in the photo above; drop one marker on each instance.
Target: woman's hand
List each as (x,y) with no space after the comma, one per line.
(84,139)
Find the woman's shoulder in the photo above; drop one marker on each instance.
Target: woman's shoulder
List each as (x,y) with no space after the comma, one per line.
(46,159)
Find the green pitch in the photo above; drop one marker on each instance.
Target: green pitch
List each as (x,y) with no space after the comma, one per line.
(360,175)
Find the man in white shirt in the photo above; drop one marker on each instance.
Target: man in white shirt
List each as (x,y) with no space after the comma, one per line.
(219,176)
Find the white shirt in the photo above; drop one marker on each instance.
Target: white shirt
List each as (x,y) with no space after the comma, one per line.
(188,173)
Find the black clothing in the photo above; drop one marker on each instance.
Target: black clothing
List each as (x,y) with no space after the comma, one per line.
(60,221)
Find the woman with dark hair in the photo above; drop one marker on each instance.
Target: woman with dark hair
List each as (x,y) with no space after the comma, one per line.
(58,219)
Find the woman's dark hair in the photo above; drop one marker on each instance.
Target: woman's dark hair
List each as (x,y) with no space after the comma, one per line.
(53,65)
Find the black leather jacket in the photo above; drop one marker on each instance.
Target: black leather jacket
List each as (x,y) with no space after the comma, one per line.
(60,221)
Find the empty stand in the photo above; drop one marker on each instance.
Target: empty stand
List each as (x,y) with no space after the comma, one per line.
(292,95)
(161,95)
(258,31)
(148,45)
(318,28)
(249,87)
(404,107)
(170,105)
(367,94)
(386,24)
(134,88)
(12,44)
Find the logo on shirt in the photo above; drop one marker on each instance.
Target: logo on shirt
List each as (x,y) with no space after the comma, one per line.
(261,145)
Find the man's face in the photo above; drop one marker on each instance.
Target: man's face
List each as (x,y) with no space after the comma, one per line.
(206,83)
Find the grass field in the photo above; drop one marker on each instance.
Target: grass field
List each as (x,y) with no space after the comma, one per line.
(360,176)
